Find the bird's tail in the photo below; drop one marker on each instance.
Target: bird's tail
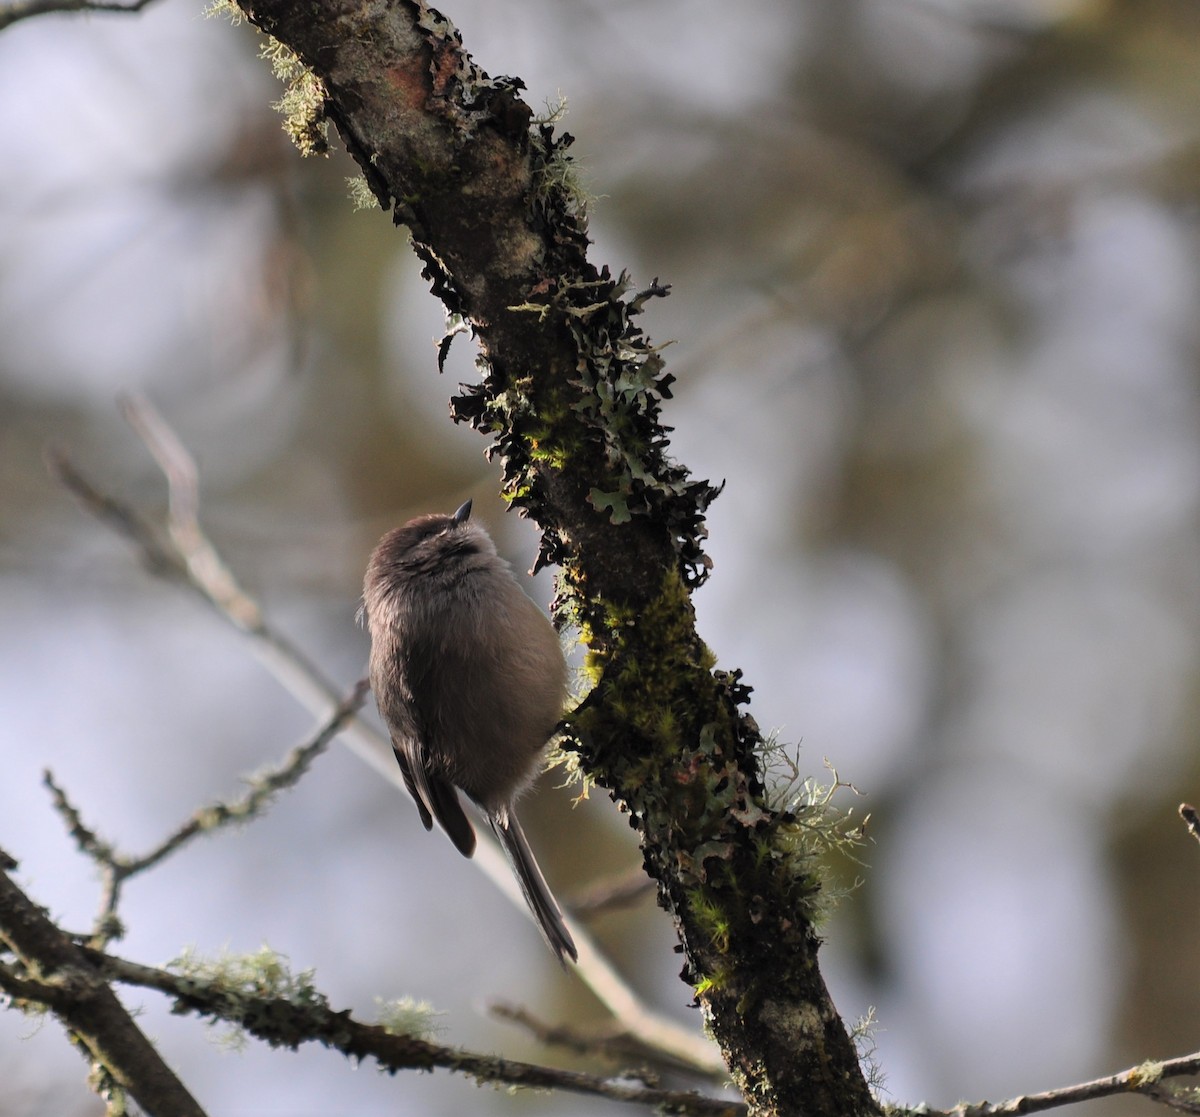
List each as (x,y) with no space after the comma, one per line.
(537,893)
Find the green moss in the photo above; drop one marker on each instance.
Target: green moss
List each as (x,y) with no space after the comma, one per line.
(652,651)
(710,918)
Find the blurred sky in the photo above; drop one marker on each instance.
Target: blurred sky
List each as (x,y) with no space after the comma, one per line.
(934,269)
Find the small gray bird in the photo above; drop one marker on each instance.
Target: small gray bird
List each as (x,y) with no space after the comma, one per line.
(470,679)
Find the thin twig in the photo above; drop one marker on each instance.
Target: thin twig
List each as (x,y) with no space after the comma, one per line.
(606,1042)
(156,556)
(280,656)
(26,9)
(306,683)
(116,868)
(1145,1079)
(204,564)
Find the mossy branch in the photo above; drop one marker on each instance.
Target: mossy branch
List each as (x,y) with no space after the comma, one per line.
(260,995)
(571,397)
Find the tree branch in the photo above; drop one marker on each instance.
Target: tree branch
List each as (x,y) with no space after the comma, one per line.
(56,972)
(308,1018)
(571,398)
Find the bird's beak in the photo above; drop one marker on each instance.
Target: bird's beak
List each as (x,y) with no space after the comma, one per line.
(463,514)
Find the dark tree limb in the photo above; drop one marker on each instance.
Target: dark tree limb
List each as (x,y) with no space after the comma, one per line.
(571,399)
(290,1021)
(54,971)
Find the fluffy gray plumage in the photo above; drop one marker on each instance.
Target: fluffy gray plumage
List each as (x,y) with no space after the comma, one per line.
(469,677)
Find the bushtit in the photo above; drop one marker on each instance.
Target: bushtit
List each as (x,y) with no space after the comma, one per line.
(470,679)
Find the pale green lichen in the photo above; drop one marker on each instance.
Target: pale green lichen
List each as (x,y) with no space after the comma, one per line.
(862,1035)
(263,974)
(406,1016)
(1146,1074)
(555,112)
(821,828)
(303,102)
(360,192)
(225,9)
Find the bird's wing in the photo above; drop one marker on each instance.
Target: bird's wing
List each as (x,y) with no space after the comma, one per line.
(411,725)
(435,796)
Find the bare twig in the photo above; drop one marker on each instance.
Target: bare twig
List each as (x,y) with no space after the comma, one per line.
(117,868)
(156,556)
(298,675)
(204,565)
(54,971)
(26,9)
(605,1042)
(1145,1079)
(308,685)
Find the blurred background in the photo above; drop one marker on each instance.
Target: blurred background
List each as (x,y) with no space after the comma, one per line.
(935,289)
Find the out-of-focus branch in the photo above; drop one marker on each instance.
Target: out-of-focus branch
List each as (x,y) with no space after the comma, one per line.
(26,9)
(205,567)
(202,571)
(52,970)
(621,890)
(607,1042)
(117,868)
